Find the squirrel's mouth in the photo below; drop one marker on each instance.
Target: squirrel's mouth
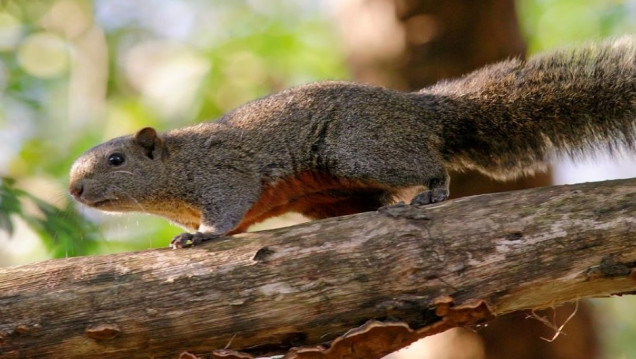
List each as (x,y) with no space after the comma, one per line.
(102,203)
(81,191)
(97,203)
(112,205)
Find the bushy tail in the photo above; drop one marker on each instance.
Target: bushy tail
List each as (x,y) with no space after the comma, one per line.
(515,115)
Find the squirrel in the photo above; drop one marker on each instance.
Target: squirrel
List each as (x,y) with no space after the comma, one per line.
(335,148)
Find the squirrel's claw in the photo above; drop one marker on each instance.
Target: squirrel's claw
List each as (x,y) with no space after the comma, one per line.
(181,240)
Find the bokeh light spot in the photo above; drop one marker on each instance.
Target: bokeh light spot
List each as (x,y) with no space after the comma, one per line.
(44,55)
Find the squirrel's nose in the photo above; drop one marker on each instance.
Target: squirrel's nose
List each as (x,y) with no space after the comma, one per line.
(76,189)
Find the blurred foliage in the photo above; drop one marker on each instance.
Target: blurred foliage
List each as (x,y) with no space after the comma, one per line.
(64,231)
(551,23)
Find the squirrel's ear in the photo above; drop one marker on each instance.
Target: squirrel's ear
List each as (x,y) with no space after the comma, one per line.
(148,139)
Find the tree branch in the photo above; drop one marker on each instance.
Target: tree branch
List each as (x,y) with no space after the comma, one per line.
(416,271)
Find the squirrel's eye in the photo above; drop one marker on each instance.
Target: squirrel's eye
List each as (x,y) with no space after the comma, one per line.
(116,159)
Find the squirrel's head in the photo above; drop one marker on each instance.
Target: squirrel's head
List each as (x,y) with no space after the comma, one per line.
(121,174)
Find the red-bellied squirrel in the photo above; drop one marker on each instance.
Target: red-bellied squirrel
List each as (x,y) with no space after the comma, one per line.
(335,148)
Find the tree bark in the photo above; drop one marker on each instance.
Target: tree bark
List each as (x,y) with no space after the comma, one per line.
(415,270)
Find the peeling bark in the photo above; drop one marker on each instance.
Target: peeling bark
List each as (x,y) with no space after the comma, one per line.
(411,271)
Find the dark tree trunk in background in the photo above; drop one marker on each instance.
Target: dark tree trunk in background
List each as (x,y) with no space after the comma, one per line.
(410,44)
(425,41)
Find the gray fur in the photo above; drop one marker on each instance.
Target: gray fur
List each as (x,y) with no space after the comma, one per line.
(505,120)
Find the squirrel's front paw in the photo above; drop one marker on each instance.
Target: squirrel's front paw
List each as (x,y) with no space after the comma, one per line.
(181,240)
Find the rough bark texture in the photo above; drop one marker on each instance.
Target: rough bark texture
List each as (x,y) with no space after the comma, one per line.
(431,268)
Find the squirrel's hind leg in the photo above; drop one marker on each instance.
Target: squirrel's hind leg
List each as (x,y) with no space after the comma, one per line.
(416,176)
(430,196)
(437,192)
(417,192)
